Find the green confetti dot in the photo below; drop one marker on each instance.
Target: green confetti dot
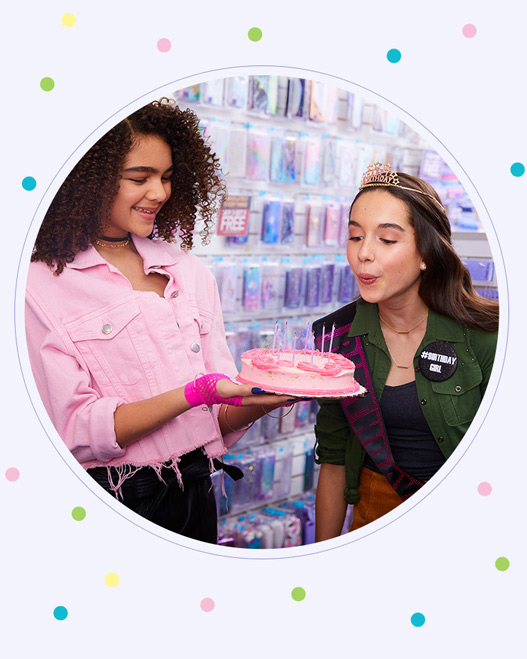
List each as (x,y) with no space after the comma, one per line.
(502,564)
(254,34)
(78,513)
(298,594)
(47,84)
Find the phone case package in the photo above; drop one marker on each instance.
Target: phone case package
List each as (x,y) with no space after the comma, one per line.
(314,224)
(236,92)
(271,213)
(251,287)
(270,298)
(258,156)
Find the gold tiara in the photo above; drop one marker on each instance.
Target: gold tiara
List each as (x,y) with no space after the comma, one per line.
(378,175)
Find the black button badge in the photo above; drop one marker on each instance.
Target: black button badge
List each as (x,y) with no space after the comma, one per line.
(438,361)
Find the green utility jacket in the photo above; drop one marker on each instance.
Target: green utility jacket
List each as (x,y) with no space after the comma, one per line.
(448,406)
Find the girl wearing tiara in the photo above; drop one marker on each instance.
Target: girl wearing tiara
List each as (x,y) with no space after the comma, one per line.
(125,333)
(428,340)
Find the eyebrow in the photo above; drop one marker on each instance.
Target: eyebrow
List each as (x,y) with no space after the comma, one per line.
(384,225)
(147,170)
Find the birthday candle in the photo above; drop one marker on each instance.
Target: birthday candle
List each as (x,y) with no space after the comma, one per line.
(307,335)
(313,348)
(285,336)
(278,340)
(274,338)
(323,338)
(294,347)
(331,342)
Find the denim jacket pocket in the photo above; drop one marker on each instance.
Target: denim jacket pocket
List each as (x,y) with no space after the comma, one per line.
(460,396)
(114,343)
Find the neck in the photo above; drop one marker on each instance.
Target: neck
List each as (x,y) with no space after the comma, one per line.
(403,316)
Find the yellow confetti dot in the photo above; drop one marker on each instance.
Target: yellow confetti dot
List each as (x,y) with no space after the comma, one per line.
(68,20)
(111,579)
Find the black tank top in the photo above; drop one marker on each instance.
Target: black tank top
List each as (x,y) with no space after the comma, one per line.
(413,446)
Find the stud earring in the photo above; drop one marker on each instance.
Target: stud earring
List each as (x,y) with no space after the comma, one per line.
(423,266)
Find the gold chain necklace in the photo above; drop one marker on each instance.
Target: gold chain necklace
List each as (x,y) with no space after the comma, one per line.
(393,359)
(403,331)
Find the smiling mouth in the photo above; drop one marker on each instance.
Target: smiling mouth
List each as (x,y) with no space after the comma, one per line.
(148,211)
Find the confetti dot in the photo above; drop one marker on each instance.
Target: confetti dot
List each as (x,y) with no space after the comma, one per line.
(469,30)
(68,20)
(207,604)
(29,183)
(254,34)
(164,45)
(393,55)
(12,474)
(111,579)
(78,513)
(484,489)
(417,620)
(518,169)
(502,564)
(60,612)
(47,84)
(298,594)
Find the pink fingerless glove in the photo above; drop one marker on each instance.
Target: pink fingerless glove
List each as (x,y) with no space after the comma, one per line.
(202,391)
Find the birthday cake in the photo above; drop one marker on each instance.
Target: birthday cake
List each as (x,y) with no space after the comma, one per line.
(300,374)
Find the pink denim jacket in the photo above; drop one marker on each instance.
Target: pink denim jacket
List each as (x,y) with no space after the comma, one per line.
(95,343)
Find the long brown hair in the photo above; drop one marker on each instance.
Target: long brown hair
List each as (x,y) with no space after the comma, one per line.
(446,286)
(80,210)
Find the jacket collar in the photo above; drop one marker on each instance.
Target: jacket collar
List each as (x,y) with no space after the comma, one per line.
(441,328)
(153,253)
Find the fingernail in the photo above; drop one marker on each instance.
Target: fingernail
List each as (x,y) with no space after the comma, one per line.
(257,390)
(291,400)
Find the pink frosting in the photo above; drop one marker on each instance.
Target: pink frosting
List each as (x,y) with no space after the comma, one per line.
(264,362)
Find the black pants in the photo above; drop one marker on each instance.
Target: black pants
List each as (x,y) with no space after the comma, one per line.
(191,512)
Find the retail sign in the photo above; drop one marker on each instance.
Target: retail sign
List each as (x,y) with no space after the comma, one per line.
(233,218)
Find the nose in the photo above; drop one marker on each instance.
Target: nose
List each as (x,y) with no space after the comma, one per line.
(366,250)
(158,190)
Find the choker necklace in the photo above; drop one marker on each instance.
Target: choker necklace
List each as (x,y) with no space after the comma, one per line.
(403,331)
(114,243)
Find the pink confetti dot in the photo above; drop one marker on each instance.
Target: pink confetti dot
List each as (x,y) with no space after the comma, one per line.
(484,489)
(12,474)
(164,45)
(207,604)
(469,30)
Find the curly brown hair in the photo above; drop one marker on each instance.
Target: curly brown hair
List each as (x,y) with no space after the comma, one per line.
(446,286)
(81,208)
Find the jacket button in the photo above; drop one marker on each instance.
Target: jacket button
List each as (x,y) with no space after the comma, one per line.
(423,402)
(106,329)
(440,440)
(458,388)
(175,294)
(195,347)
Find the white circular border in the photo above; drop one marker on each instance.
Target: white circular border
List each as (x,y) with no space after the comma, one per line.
(63,451)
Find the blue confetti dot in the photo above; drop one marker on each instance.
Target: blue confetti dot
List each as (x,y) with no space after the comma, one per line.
(29,183)
(60,612)
(417,620)
(518,169)
(393,55)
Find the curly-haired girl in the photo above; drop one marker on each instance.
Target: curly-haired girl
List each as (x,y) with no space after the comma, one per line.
(122,328)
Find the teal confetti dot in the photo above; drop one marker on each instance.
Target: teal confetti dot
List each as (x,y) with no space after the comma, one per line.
(393,55)
(29,183)
(255,34)
(518,169)
(298,594)
(417,620)
(60,612)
